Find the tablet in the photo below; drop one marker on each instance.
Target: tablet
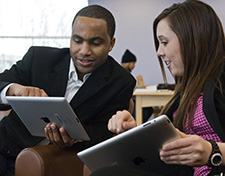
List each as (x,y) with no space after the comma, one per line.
(37,112)
(136,148)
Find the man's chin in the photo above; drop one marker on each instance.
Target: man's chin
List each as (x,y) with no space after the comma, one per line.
(84,70)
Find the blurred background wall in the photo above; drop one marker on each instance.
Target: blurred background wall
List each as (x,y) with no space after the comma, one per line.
(134,21)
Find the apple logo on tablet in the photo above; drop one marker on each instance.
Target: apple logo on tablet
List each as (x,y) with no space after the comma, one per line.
(45,119)
(138,160)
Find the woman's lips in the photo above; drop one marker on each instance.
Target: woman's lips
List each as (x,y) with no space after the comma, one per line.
(168,63)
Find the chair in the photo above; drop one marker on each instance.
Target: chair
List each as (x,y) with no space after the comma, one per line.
(48,161)
(140,81)
(51,160)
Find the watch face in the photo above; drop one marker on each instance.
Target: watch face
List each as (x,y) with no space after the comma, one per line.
(216,159)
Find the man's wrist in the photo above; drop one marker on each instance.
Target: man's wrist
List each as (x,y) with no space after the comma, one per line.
(3,94)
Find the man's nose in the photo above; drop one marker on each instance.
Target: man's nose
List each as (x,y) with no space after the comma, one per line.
(85,49)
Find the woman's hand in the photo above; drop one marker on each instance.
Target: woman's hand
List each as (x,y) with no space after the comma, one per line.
(189,150)
(121,122)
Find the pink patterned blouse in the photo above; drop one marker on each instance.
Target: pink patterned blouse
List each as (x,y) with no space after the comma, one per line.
(201,127)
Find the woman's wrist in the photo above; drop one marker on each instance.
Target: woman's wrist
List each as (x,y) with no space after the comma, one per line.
(222,149)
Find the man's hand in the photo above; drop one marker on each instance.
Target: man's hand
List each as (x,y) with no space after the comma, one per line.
(58,136)
(19,90)
(189,150)
(121,122)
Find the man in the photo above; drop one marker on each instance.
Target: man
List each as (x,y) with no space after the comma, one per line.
(93,82)
(128,60)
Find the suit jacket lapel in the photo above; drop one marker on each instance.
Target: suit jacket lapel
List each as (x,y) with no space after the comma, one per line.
(59,77)
(93,84)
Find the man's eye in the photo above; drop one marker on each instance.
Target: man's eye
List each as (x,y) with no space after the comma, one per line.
(96,43)
(78,41)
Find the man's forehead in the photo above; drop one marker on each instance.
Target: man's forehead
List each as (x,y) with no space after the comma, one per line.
(89,20)
(86,27)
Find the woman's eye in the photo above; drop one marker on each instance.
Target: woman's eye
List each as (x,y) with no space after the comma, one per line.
(164,43)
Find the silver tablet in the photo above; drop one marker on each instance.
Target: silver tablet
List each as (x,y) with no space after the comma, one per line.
(37,112)
(138,147)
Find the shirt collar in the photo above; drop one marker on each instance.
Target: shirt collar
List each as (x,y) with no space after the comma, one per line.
(73,74)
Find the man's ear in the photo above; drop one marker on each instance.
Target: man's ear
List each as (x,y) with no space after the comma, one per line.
(112,43)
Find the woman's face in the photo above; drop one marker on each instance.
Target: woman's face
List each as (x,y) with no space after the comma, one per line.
(169,48)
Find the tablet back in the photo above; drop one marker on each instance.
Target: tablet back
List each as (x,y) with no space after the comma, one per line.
(138,147)
(37,112)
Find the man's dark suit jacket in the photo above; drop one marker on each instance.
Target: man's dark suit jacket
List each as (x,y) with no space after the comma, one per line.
(108,89)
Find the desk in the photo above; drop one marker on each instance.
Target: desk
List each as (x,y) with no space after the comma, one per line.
(148,98)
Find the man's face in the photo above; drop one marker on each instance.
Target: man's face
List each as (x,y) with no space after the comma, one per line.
(131,65)
(90,44)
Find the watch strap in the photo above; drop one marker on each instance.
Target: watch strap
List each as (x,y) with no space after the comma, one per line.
(215,150)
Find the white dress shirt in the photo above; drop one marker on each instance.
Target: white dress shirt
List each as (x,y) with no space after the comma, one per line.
(73,84)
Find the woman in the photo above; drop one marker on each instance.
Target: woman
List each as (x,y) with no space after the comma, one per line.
(189,39)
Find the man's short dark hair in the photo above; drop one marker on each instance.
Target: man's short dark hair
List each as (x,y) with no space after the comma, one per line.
(97,11)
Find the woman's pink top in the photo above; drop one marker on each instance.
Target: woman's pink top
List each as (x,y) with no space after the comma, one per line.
(201,127)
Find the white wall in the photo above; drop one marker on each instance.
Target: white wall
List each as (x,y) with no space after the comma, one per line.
(134,19)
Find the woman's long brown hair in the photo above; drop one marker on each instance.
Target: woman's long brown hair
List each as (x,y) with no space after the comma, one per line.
(202,45)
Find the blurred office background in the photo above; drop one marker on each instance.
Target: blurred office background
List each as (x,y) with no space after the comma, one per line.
(48,23)
(25,23)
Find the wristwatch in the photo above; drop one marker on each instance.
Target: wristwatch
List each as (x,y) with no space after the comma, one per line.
(216,158)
